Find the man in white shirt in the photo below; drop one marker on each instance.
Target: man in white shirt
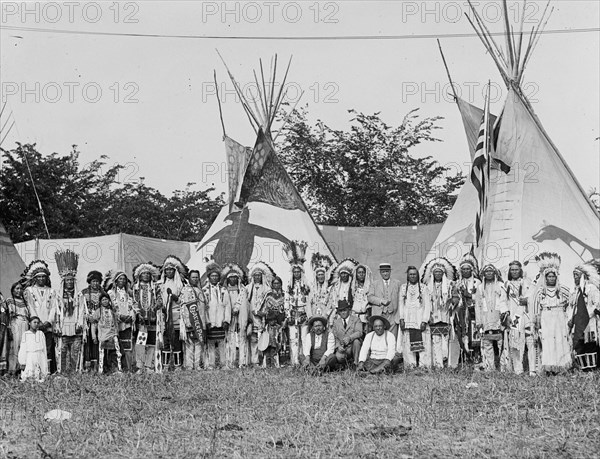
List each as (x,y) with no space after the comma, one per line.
(379,347)
(319,346)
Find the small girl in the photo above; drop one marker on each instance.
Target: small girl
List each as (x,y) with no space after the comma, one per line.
(32,352)
(273,331)
(108,336)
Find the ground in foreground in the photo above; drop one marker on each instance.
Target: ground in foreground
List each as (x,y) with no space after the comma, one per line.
(285,413)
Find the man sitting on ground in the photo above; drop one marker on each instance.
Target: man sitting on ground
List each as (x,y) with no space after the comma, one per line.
(379,347)
(319,345)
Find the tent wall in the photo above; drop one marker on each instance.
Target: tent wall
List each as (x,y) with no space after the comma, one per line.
(400,246)
(103,253)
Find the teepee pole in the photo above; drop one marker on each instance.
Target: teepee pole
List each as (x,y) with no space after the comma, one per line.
(219,102)
(272,91)
(285,121)
(447,71)
(265,95)
(489,49)
(522,22)
(487,34)
(261,102)
(240,95)
(509,40)
(279,99)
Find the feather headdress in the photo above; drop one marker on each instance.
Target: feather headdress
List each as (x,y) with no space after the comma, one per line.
(110,279)
(489,266)
(295,253)
(320,262)
(35,268)
(547,261)
(469,259)
(232,269)
(347,265)
(175,262)
(66,262)
(590,271)
(267,272)
(439,263)
(146,268)
(213,267)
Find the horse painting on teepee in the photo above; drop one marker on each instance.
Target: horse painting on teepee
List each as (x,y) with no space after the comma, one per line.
(534,201)
(264,209)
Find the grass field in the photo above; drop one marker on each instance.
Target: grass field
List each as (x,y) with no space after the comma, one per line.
(286,413)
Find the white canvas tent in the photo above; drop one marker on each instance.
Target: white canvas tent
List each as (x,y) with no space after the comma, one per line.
(264,209)
(538,205)
(370,245)
(11,264)
(103,253)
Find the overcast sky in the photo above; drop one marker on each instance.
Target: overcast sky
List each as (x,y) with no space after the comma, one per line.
(148,102)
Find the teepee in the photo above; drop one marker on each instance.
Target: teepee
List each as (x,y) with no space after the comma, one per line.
(535,202)
(11,264)
(264,209)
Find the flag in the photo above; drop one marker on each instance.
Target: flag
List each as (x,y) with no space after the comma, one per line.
(237,160)
(480,171)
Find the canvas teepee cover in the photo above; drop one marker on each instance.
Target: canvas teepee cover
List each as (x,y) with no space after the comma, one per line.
(538,205)
(264,209)
(11,264)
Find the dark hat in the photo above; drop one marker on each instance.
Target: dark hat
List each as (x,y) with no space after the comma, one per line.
(385,266)
(343,305)
(94,275)
(386,323)
(314,319)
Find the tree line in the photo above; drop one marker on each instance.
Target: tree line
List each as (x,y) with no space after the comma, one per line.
(365,176)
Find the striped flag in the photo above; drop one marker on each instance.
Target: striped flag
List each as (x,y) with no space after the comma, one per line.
(480,172)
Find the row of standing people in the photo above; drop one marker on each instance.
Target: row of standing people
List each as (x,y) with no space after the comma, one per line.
(166,317)
(446,316)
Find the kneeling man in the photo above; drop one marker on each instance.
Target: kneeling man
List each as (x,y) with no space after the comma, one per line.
(319,345)
(378,348)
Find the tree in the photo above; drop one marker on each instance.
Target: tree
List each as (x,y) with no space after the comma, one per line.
(90,201)
(366,177)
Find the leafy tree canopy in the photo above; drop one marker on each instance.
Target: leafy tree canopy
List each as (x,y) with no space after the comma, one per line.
(367,176)
(86,201)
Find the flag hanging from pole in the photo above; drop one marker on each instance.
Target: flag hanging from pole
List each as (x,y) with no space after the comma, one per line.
(480,171)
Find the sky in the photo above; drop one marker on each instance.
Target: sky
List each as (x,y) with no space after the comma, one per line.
(134,80)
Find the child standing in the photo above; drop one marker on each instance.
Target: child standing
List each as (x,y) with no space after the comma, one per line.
(32,352)
(273,331)
(108,337)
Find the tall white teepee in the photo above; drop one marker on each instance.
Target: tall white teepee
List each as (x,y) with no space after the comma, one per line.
(535,203)
(264,210)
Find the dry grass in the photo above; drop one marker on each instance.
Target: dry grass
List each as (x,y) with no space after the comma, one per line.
(285,413)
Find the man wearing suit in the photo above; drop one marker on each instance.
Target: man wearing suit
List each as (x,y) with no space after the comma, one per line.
(387,292)
(348,331)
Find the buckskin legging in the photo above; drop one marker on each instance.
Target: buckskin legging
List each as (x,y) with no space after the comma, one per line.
(298,334)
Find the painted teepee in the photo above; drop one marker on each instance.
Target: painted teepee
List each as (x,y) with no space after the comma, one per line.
(534,201)
(264,210)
